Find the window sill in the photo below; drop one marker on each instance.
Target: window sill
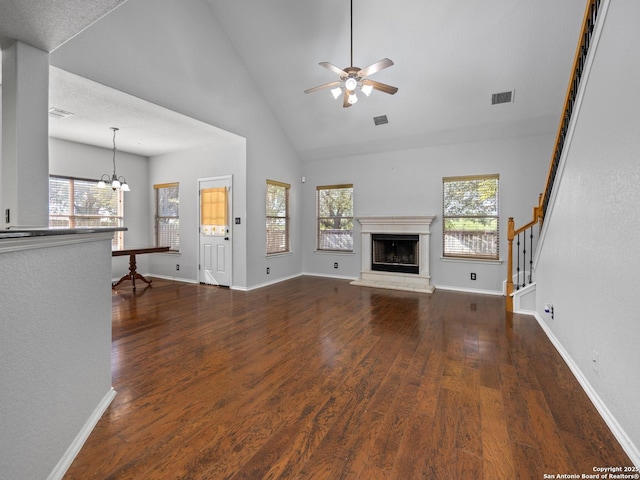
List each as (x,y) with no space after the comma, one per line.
(471,260)
(334,252)
(279,254)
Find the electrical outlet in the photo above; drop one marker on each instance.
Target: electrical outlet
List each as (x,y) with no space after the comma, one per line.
(548,308)
(177,266)
(335,265)
(473,276)
(268,270)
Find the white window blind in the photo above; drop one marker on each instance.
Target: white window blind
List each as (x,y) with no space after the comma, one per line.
(470,215)
(277,214)
(167,215)
(79,203)
(334,207)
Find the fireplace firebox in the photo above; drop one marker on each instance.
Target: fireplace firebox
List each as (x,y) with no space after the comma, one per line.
(395,253)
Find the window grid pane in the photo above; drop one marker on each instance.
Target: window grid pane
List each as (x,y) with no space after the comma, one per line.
(335,218)
(470,215)
(277,218)
(79,203)
(167,216)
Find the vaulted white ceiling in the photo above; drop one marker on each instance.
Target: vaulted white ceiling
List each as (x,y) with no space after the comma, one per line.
(450,57)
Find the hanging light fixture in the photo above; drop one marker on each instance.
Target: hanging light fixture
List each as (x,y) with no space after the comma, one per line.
(115,182)
(354,79)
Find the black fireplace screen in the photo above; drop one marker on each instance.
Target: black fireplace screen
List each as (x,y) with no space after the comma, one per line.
(395,253)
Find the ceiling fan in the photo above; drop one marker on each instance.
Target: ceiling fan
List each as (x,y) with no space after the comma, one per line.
(352,78)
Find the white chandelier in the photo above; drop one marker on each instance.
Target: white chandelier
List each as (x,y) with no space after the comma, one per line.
(115,182)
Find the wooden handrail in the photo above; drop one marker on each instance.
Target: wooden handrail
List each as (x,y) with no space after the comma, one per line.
(588,22)
(539,211)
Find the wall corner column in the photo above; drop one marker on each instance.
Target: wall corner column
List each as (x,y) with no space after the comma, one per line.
(24,178)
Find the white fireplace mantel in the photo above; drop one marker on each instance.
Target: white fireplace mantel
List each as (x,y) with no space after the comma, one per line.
(408,225)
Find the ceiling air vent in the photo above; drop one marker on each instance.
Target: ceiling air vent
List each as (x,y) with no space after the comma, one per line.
(503,97)
(57,113)
(380,120)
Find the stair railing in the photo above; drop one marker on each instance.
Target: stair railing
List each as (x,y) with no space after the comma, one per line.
(520,265)
(524,276)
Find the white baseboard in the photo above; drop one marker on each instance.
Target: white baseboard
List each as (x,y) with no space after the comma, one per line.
(73,450)
(266,284)
(325,275)
(469,290)
(164,277)
(169,277)
(625,442)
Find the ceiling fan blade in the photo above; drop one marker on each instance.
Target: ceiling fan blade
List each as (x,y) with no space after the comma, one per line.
(383,87)
(338,71)
(321,87)
(345,102)
(373,68)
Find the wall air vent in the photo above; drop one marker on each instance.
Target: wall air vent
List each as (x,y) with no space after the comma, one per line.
(503,97)
(380,120)
(58,113)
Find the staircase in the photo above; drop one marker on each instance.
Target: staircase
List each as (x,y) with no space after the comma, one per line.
(523,241)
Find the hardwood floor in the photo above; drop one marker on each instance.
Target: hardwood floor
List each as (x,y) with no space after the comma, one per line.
(314,378)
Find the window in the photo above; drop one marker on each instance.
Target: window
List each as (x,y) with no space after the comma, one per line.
(278,217)
(167,216)
(470,216)
(79,203)
(334,207)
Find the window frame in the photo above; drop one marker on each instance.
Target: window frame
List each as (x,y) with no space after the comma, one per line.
(271,240)
(350,218)
(174,246)
(487,241)
(74,219)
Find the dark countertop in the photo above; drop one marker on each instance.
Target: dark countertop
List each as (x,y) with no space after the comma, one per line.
(43,232)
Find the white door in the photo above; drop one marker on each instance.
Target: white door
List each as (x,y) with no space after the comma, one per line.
(215,231)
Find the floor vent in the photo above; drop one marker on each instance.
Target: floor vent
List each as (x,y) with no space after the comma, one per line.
(57,113)
(380,120)
(503,97)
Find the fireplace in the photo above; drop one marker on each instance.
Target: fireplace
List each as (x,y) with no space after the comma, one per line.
(395,253)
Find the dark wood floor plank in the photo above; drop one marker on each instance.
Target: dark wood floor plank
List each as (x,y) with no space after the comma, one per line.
(496,447)
(552,448)
(315,378)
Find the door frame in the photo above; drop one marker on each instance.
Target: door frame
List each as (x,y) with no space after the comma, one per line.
(230,219)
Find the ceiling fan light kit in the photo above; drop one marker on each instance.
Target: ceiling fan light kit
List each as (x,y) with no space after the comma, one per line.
(354,78)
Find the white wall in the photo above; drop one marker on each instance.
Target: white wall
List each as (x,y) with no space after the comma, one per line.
(85,161)
(409,182)
(24,131)
(141,49)
(187,167)
(589,263)
(55,349)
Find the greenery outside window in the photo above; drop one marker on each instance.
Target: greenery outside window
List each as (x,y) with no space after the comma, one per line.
(334,211)
(470,216)
(79,203)
(167,216)
(278,235)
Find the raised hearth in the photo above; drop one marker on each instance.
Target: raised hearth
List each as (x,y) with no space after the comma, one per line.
(397,266)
